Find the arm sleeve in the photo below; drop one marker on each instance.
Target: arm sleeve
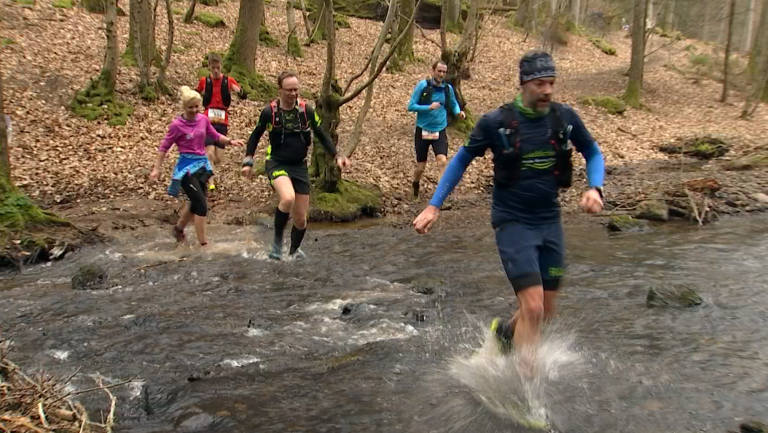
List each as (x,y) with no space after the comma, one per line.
(413,104)
(169,140)
(201,86)
(232,83)
(587,146)
(325,140)
(265,118)
(210,132)
(455,103)
(453,174)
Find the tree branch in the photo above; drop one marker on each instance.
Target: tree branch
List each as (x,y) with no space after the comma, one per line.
(360,74)
(384,62)
(424,35)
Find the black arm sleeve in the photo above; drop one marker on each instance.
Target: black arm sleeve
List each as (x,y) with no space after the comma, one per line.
(265,119)
(325,140)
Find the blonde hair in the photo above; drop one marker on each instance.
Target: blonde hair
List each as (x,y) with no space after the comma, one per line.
(188,95)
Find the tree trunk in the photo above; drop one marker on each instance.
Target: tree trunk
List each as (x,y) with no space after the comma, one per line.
(109,71)
(522,17)
(190,12)
(389,22)
(242,50)
(457,61)
(307,22)
(758,60)
(638,55)
(453,15)
(650,16)
(575,9)
(749,27)
(405,49)
(293,47)
(321,31)
(143,41)
(707,19)
(324,167)
(161,84)
(443,23)
(669,16)
(552,7)
(731,15)
(5,164)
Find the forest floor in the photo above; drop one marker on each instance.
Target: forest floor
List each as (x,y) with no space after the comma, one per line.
(96,174)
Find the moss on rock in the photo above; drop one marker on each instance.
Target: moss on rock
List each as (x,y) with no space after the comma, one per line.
(266,39)
(611,104)
(97,102)
(210,20)
(294,46)
(62,4)
(348,203)
(209,2)
(604,46)
(255,85)
(625,223)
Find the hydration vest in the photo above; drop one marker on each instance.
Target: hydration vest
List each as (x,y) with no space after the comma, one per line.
(277,120)
(508,163)
(226,97)
(426,94)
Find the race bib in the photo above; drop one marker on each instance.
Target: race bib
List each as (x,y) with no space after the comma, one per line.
(216,116)
(429,135)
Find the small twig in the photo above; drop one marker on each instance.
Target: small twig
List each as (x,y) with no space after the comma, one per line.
(358,75)
(63,384)
(627,132)
(21,422)
(424,34)
(164,262)
(85,391)
(111,417)
(41,412)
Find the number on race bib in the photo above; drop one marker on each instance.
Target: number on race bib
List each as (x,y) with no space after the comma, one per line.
(429,135)
(215,115)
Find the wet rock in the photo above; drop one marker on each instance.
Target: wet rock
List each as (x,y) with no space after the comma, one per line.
(199,422)
(90,277)
(355,313)
(673,295)
(416,315)
(753,427)
(625,223)
(654,210)
(706,147)
(426,286)
(707,186)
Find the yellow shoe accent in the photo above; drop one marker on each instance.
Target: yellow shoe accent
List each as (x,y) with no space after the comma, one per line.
(495,324)
(211,187)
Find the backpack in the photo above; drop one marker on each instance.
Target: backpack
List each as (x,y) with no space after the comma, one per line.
(508,163)
(277,119)
(226,97)
(426,94)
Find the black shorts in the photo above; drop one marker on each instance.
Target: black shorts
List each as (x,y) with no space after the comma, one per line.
(439,146)
(532,255)
(298,174)
(221,129)
(195,185)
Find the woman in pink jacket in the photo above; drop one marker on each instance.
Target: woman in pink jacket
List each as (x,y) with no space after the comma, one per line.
(188,132)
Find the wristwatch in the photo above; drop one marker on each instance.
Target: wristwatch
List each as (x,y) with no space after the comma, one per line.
(599,190)
(248,161)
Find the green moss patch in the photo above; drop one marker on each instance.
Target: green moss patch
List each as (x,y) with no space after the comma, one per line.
(255,85)
(604,46)
(209,19)
(350,202)
(611,104)
(62,4)
(96,102)
(4,42)
(266,39)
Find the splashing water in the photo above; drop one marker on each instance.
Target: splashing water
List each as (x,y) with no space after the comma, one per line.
(488,391)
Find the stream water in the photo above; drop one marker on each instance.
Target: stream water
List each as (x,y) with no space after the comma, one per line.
(232,342)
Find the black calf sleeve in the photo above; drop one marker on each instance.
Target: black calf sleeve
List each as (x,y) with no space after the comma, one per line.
(296,237)
(281,220)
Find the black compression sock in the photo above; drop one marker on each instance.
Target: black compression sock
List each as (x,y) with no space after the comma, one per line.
(281,220)
(296,237)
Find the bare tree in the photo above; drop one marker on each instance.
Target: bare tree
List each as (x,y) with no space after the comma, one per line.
(161,81)
(190,12)
(749,27)
(141,22)
(242,49)
(669,16)
(293,46)
(6,186)
(333,97)
(389,22)
(453,15)
(731,15)
(458,59)
(575,9)
(632,96)
(109,71)
(405,50)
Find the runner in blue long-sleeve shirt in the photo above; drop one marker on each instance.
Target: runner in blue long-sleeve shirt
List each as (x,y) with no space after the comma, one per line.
(431,100)
(529,139)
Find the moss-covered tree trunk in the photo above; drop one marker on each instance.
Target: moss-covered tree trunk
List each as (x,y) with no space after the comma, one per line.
(320,32)
(242,50)
(405,50)
(632,96)
(731,15)
(453,21)
(5,162)
(161,83)
(305,17)
(324,168)
(458,59)
(190,12)
(293,46)
(109,71)
(141,21)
